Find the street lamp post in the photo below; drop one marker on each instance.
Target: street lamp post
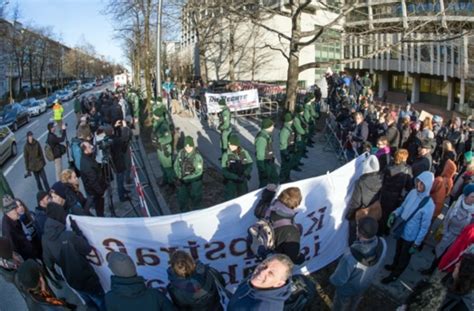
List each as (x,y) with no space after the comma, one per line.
(158,49)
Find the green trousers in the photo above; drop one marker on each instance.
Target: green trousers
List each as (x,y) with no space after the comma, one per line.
(190,196)
(267,172)
(225,138)
(288,162)
(166,164)
(233,189)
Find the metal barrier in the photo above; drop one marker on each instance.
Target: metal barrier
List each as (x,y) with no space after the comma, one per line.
(333,140)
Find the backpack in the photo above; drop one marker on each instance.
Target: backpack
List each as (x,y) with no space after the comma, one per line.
(48,152)
(303,292)
(261,235)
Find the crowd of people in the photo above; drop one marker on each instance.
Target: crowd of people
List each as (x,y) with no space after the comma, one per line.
(414,171)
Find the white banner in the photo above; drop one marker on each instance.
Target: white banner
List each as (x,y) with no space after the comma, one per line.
(236,101)
(217,235)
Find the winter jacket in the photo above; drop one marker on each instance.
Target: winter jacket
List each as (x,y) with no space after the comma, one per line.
(55,143)
(13,230)
(417,227)
(358,267)
(248,298)
(75,201)
(33,154)
(287,238)
(454,222)
(92,176)
(68,250)
(132,294)
(454,252)
(396,178)
(393,136)
(404,135)
(76,151)
(198,292)
(421,164)
(442,187)
(118,150)
(57,112)
(40,216)
(383,155)
(366,191)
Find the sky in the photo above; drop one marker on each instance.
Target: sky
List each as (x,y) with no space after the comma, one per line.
(72,19)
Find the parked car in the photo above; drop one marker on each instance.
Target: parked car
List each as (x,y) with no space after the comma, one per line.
(88,86)
(14,115)
(26,102)
(37,107)
(50,100)
(7,144)
(65,95)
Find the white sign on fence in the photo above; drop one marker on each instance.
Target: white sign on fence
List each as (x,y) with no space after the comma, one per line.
(236,101)
(217,235)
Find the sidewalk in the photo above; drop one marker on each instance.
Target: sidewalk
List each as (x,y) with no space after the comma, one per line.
(318,162)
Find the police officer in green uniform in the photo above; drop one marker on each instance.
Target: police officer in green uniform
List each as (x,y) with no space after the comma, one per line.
(188,167)
(287,149)
(224,124)
(300,128)
(162,138)
(310,116)
(237,169)
(267,169)
(366,83)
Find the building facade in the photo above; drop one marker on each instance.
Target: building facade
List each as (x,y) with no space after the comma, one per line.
(421,48)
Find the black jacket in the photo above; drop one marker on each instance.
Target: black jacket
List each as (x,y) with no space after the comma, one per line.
(92,176)
(287,239)
(393,136)
(395,179)
(75,201)
(55,143)
(34,159)
(421,164)
(132,294)
(68,250)
(12,230)
(118,149)
(366,191)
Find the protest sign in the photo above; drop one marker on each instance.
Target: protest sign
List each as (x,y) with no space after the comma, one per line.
(236,101)
(218,235)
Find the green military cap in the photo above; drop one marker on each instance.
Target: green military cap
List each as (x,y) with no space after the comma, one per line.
(159,111)
(159,99)
(222,102)
(309,97)
(288,117)
(299,109)
(234,140)
(188,141)
(267,123)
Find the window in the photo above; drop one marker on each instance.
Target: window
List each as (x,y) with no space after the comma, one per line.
(3,133)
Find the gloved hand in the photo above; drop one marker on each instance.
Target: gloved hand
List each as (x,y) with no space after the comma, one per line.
(391,220)
(414,249)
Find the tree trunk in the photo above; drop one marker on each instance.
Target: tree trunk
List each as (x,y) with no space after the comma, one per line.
(292,81)
(147,50)
(203,66)
(231,50)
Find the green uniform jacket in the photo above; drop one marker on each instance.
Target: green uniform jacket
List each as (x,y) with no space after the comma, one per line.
(298,126)
(309,112)
(224,118)
(240,155)
(161,132)
(193,159)
(287,136)
(263,146)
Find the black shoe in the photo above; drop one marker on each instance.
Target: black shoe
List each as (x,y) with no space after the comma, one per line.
(389,267)
(389,279)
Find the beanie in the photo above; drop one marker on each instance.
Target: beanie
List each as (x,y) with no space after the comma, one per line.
(159,99)
(188,141)
(59,188)
(468,189)
(29,133)
(222,101)
(9,203)
(50,126)
(40,196)
(288,117)
(367,227)
(371,165)
(121,265)
(159,112)
(6,250)
(234,140)
(267,123)
(28,274)
(299,109)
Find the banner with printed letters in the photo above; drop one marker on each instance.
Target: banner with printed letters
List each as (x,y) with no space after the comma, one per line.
(218,235)
(236,101)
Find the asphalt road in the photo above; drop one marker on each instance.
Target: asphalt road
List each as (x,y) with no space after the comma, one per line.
(25,188)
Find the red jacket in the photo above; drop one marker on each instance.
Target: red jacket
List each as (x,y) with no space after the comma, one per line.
(453,254)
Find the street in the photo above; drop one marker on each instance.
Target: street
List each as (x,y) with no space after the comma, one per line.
(25,188)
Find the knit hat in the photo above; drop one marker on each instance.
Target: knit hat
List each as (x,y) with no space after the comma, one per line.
(188,141)
(29,133)
(367,227)
(40,196)
(9,203)
(222,102)
(28,274)
(51,125)
(121,265)
(426,144)
(159,99)
(267,123)
(299,109)
(468,189)
(234,140)
(288,117)
(59,188)
(371,165)
(6,250)
(159,112)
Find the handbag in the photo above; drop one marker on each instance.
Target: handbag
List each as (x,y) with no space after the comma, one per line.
(374,210)
(399,223)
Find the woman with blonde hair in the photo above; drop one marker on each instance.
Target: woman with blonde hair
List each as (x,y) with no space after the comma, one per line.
(448,153)
(75,201)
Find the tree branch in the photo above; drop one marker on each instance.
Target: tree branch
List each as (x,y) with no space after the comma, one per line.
(277,49)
